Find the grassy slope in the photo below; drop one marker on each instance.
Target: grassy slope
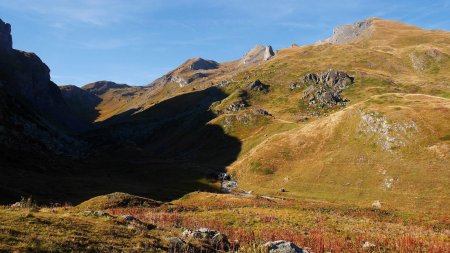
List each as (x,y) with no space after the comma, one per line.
(336,159)
(249,221)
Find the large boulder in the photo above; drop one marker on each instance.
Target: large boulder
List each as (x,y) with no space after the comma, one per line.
(208,236)
(282,246)
(258,86)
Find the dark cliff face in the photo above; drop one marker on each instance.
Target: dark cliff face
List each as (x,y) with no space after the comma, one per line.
(5,36)
(34,118)
(26,77)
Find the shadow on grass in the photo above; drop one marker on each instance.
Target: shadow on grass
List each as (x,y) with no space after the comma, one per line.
(163,152)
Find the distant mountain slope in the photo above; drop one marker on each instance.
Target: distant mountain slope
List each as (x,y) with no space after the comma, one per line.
(101,87)
(82,102)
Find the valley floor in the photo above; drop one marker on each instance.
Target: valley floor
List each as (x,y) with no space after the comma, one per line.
(248,220)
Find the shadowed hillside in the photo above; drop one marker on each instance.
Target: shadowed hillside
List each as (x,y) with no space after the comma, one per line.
(163,152)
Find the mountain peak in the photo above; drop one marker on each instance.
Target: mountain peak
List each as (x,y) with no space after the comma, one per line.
(101,87)
(5,36)
(347,33)
(257,54)
(202,64)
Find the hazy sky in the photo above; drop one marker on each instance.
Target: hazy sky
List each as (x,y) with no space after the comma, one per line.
(136,41)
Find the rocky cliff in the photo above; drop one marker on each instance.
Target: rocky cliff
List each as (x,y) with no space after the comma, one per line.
(5,36)
(257,54)
(348,33)
(34,114)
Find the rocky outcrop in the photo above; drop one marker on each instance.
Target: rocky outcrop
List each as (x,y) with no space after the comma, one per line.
(227,182)
(258,86)
(5,36)
(210,237)
(324,89)
(348,33)
(202,64)
(101,87)
(282,246)
(196,76)
(423,60)
(388,135)
(257,55)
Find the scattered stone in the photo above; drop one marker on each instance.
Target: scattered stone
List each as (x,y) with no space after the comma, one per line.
(133,223)
(261,112)
(283,190)
(97,214)
(258,86)
(228,184)
(181,81)
(376,204)
(16,205)
(422,60)
(237,106)
(282,246)
(387,135)
(224,83)
(208,236)
(388,183)
(367,244)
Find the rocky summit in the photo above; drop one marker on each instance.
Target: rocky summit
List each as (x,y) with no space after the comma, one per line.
(257,55)
(199,64)
(338,146)
(347,33)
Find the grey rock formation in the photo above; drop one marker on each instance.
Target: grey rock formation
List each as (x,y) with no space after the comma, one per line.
(347,33)
(196,76)
(101,87)
(237,106)
(261,112)
(282,246)
(5,36)
(202,64)
(208,236)
(325,88)
(257,55)
(258,86)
